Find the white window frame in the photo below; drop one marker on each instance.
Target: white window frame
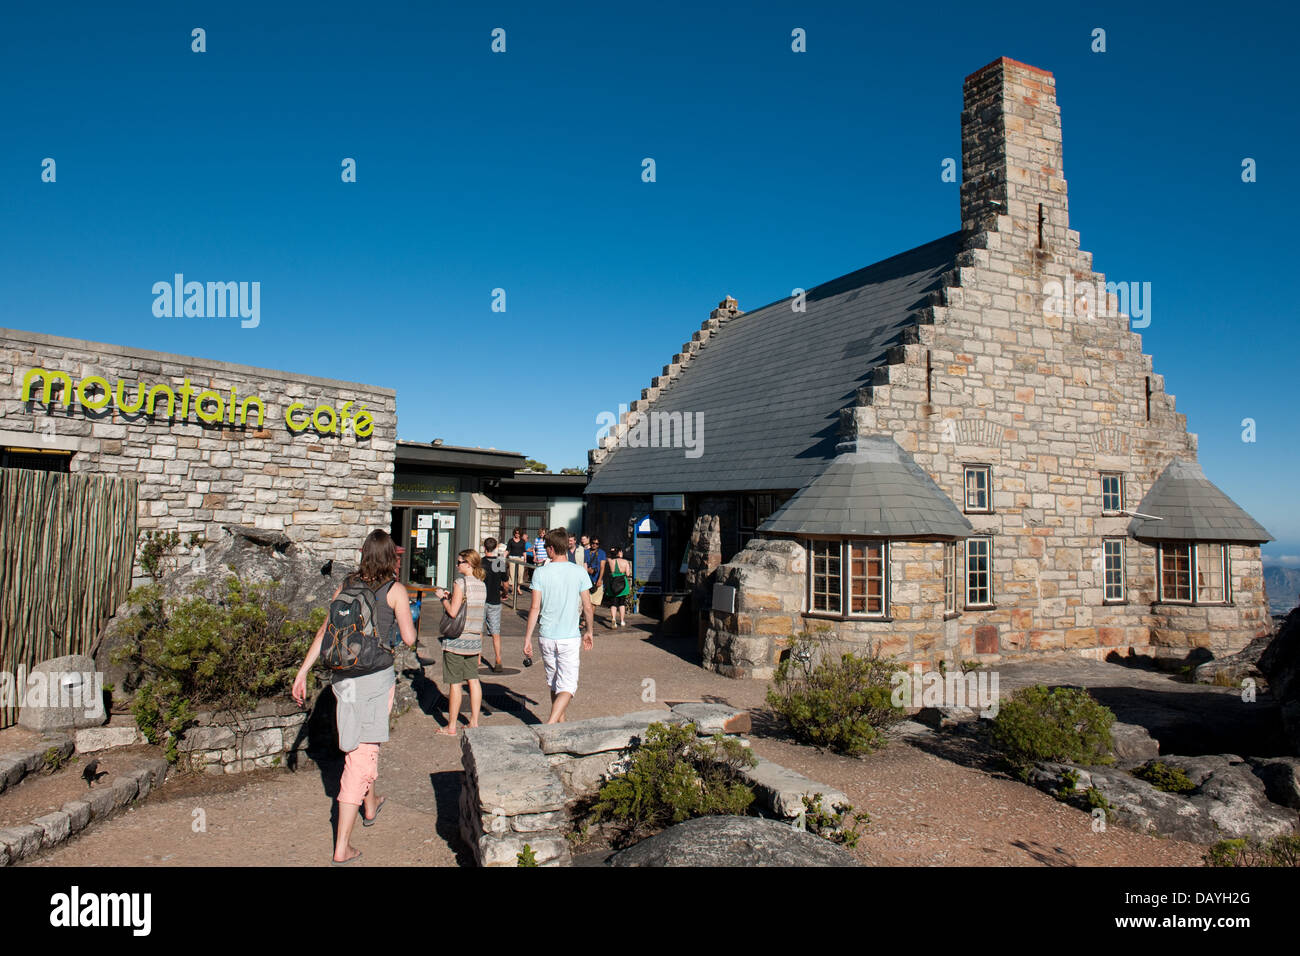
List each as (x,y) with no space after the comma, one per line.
(950,579)
(990,602)
(1106,595)
(987,472)
(1119,479)
(1195,559)
(847,582)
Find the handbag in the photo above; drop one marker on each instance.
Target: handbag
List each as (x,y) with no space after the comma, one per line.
(452,627)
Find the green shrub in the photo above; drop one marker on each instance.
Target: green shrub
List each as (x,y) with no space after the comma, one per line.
(841,703)
(1164,777)
(1096,800)
(224,651)
(1279,851)
(526,857)
(1071,778)
(839,824)
(1061,724)
(674,776)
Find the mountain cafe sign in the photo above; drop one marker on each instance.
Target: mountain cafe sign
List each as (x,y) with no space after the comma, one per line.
(95,393)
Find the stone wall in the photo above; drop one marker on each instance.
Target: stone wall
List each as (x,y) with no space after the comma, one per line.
(521,782)
(261,738)
(327,485)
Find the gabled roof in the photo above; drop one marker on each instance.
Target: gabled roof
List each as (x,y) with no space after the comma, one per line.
(1192,509)
(874,488)
(769,385)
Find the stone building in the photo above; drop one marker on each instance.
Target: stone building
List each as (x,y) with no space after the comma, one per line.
(959,452)
(211,443)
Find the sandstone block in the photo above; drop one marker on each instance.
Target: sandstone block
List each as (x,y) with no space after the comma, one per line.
(78,812)
(56,826)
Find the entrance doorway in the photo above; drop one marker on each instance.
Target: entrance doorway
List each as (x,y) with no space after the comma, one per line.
(429,535)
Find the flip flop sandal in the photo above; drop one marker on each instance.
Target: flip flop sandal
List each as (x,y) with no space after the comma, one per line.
(371,821)
(334,862)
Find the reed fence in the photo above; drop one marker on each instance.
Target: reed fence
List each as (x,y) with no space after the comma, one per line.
(67,545)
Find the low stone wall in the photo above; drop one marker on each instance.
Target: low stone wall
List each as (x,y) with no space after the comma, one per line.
(251,741)
(19,763)
(521,782)
(49,830)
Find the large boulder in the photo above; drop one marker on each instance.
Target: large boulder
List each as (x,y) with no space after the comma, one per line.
(733,841)
(1230,671)
(63,693)
(1229,801)
(255,556)
(1280,665)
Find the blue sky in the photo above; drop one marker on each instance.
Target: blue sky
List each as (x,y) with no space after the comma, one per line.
(522,171)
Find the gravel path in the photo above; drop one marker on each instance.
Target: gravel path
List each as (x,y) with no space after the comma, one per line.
(931,802)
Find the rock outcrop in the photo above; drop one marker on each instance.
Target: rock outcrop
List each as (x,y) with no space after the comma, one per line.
(255,556)
(733,841)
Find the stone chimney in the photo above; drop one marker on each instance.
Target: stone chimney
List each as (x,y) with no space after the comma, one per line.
(1011,155)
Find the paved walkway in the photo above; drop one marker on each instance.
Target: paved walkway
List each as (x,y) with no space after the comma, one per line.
(930,803)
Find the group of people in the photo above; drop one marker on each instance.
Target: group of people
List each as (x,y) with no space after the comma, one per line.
(610,572)
(568,577)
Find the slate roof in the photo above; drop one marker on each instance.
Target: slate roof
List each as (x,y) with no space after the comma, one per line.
(1193,510)
(872,487)
(770,384)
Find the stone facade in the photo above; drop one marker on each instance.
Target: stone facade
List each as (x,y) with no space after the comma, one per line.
(295,464)
(1023,361)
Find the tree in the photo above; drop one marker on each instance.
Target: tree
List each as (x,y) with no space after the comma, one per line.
(532,464)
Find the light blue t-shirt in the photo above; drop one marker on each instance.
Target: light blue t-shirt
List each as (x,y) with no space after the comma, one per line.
(561,584)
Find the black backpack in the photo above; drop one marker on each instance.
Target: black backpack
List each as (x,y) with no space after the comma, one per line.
(352,646)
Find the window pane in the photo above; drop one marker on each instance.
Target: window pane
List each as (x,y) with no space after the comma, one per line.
(1112,493)
(977,489)
(1114,569)
(950,577)
(1176,572)
(1209,573)
(978,571)
(825,576)
(866,578)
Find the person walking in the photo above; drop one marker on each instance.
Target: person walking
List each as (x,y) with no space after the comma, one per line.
(617,572)
(561,594)
(595,561)
(539,548)
(460,655)
(363,702)
(516,547)
(494,583)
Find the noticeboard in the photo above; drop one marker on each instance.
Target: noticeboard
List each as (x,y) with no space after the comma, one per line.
(647,555)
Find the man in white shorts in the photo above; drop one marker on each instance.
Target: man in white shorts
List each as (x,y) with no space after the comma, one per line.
(561,596)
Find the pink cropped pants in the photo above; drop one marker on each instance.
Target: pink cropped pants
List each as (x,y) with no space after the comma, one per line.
(360,770)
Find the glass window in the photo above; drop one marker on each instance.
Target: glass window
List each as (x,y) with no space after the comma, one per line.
(1112,492)
(1175,572)
(1113,555)
(1210,577)
(824,583)
(979,571)
(754,510)
(977,488)
(950,578)
(866,577)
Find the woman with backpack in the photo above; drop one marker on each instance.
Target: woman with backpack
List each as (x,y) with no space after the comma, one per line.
(617,572)
(462,642)
(368,611)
